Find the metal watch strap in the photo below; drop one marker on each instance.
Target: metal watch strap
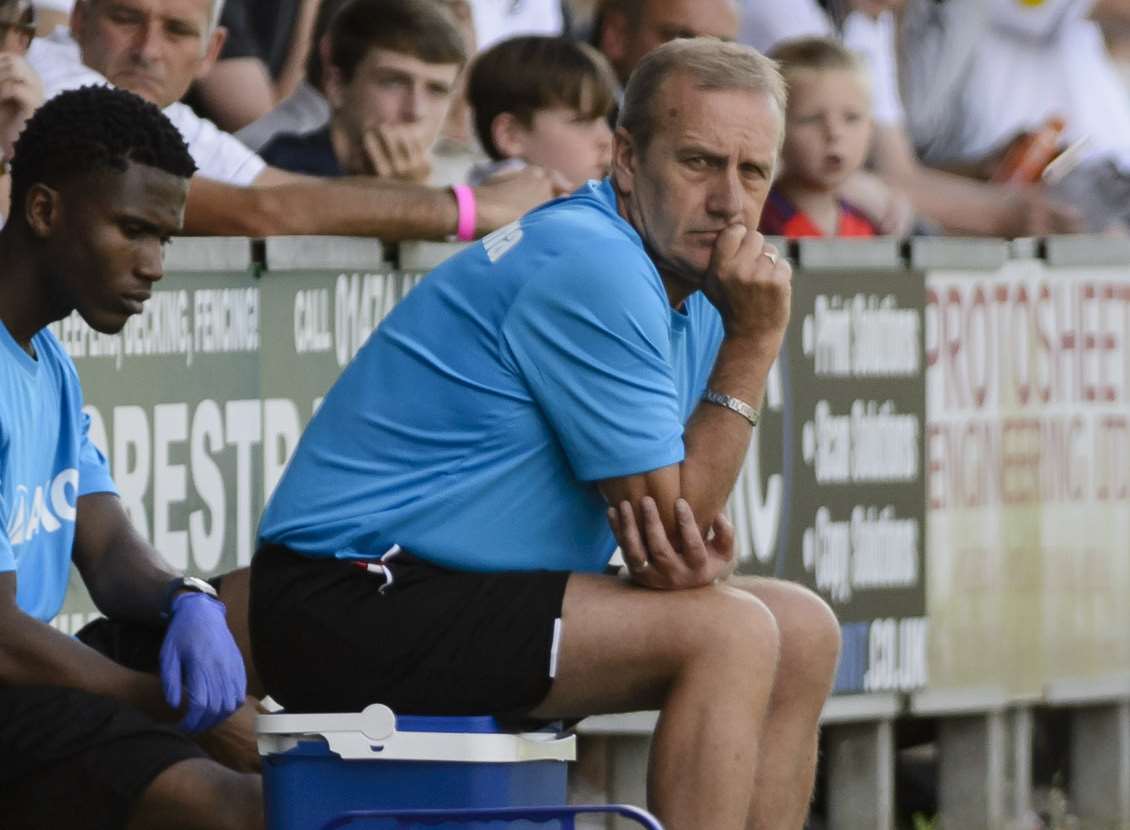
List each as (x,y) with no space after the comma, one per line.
(733,404)
(183,583)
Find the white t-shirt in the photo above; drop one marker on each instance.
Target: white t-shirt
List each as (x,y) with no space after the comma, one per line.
(218,155)
(304,111)
(765,23)
(497,20)
(1025,64)
(55,5)
(1041,61)
(873,39)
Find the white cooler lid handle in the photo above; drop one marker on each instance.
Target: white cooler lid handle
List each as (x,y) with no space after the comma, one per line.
(376,722)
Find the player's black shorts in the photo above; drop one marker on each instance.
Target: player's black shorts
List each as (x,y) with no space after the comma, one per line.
(75,760)
(328,636)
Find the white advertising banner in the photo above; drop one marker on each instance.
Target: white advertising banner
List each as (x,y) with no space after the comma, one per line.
(1028,474)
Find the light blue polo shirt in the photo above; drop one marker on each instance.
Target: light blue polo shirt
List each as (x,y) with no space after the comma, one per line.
(46,462)
(472,427)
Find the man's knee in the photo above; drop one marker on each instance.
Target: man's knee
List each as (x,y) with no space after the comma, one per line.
(810,637)
(740,627)
(200,793)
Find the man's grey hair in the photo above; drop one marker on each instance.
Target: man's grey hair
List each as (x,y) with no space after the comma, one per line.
(711,64)
(213,19)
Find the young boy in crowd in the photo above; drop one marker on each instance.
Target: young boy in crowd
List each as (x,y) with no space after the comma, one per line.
(390,77)
(827,136)
(545,101)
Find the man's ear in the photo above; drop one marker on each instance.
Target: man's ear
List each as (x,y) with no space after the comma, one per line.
(42,208)
(212,51)
(625,160)
(78,19)
(324,53)
(509,135)
(612,39)
(333,86)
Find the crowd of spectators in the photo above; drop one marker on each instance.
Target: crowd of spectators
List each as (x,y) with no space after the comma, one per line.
(272,94)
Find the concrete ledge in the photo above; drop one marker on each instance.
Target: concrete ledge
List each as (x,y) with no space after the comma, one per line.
(424,256)
(627,723)
(1025,247)
(1084,691)
(325,253)
(783,244)
(973,756)
(857,708)
(861,776)
(1099,764)
(208,253)
(838,709)
(938,252)
(959,701)
(850,254)
(1082,251)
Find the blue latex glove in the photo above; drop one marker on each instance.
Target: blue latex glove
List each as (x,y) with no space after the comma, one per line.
(200,658)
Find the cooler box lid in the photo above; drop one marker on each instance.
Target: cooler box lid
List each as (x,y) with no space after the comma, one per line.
(372,734)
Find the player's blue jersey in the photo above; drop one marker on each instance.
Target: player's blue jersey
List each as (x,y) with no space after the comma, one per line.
(473,426)
(46,463)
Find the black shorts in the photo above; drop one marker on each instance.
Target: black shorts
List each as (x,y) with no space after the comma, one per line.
(75,760)
(132,645)
(328,636)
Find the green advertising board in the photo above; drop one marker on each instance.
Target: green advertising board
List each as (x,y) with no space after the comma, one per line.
(833,492)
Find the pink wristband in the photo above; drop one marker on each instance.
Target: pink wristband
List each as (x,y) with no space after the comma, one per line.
(465,205)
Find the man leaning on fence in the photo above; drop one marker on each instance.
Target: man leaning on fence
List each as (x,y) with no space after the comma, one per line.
(586,376)
(157,48)
(99,179)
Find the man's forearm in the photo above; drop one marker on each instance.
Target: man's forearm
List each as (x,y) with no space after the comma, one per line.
(129,587)
(716,438)
(390,211)
(301,42)
(958,204)
(125,577)
(1111,11)
(752,291)
(961,205)
(34,653)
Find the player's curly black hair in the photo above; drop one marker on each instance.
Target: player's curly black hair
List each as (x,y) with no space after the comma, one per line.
(94,127)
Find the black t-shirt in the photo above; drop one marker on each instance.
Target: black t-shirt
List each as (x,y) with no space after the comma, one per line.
(256,29)
(261,29)
(311,154)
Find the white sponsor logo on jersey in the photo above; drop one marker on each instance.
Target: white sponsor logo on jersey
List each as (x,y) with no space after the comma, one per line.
(44,508)
(502,240)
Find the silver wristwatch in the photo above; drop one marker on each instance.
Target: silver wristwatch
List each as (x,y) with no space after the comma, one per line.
(183,583)
(733,404)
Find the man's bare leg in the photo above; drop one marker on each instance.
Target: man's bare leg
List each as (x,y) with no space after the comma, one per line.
(235,594)
(706,658)
(199,794)
(809,649)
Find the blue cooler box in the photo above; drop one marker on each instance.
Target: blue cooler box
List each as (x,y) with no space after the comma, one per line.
(318,766)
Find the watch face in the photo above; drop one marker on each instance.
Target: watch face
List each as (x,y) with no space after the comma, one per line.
(196,584)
